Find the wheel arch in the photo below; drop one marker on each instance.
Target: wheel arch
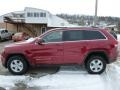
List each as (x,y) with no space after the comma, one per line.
(97,53)
(16,54)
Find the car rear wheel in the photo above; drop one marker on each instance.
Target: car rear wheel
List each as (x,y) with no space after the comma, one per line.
(96,65)
(17,65)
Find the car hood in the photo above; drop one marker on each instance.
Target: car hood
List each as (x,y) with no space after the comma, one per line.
(22,43)
(17,44)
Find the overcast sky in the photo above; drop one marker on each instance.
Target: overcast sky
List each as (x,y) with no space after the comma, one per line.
(86,7)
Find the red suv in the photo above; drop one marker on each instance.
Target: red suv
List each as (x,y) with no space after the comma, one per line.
(91,47)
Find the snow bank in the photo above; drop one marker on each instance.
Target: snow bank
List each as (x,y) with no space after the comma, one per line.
(63,81)
(10,81)
(80,80)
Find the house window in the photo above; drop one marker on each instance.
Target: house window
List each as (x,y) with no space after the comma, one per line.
(43,29)
(36,14)
(21,15)
(29,14)
(42,14)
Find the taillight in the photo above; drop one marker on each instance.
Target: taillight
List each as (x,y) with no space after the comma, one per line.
(114,44)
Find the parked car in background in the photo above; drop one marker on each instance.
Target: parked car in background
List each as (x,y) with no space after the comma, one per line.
(92,47)
(20,36)
(5,35)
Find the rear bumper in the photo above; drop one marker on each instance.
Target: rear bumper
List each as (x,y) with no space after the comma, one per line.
(113,59)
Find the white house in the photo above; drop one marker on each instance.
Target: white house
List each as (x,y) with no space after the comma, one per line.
(31,20)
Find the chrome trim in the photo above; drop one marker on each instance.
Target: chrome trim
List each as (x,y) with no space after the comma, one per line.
(74,41)
(78,40)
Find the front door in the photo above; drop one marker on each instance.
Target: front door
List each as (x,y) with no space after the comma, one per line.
(51,49)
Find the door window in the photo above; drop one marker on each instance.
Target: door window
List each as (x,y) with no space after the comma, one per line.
(92,35)
(55,36)
(73,35)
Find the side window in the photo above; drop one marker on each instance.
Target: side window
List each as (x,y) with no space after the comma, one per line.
(92,35)
(73,35)
(55,36)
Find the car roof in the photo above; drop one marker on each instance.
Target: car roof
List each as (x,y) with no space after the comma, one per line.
(79,28)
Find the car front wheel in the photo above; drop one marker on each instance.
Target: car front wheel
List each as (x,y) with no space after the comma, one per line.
(96,65)
(17,65)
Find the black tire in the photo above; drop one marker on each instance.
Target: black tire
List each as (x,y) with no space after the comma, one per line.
(19,59)
(100,67)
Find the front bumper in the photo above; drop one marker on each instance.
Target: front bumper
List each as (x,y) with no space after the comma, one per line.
(3,61)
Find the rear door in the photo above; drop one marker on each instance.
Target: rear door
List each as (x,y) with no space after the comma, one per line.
(95,40)
(74,46)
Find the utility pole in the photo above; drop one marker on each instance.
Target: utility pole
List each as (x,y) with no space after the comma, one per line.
(96,8)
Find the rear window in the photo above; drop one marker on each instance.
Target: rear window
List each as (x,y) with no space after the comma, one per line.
(113,34)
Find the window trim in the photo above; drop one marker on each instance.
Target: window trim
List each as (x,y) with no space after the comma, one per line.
(76,40)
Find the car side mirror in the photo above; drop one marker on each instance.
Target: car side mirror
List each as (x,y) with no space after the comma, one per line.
(40,41)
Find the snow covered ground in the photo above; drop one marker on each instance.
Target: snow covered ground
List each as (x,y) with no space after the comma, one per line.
(67,78)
